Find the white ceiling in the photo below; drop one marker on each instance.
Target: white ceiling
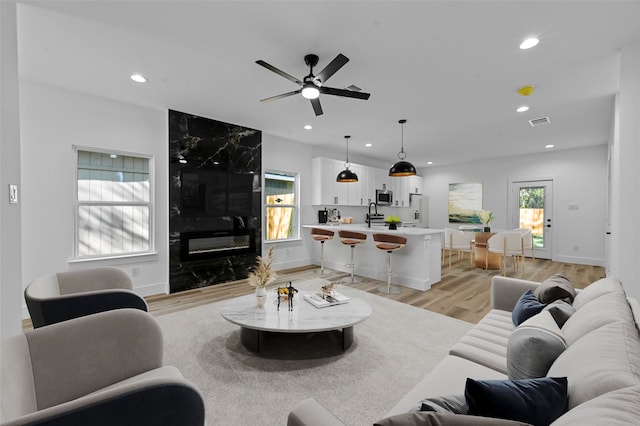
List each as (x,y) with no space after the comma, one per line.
(451,68)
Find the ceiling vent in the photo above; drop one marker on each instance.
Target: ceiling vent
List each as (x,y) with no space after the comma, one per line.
(354,88)
(542,121)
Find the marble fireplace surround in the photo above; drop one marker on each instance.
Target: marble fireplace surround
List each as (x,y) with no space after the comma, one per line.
(215,198)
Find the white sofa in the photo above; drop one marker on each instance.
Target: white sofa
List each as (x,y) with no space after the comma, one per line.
(601,361)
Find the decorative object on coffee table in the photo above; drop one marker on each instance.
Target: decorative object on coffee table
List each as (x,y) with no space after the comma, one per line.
(261,276)
(286,293)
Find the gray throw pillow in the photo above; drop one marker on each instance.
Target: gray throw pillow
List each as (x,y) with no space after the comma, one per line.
(534,346)
(561,311)
(555,287)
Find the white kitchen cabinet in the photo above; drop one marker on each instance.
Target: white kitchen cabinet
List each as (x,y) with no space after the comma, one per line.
(382,180)
(400,191)
(326,191)
(415,185)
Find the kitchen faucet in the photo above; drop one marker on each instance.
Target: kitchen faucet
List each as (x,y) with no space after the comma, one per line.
(369,215)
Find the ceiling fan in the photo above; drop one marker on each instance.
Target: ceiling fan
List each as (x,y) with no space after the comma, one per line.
(312,85)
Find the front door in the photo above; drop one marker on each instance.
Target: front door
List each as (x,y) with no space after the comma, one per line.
(532,206)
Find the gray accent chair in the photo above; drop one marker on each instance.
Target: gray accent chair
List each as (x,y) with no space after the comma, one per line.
(65,295)
(101,369)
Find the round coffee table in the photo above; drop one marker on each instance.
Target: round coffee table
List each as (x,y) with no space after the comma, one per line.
(305,318)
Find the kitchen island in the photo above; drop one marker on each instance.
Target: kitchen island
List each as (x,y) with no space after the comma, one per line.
(416,266)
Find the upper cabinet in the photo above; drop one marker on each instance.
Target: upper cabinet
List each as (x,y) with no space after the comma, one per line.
(415,185)
(327,192)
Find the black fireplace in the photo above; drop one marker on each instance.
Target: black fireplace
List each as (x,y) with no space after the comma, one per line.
(215,198)
(199,245)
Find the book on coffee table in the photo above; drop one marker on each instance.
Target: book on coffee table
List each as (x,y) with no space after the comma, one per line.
(318,301)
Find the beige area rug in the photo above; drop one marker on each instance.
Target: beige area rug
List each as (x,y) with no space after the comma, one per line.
(392,351)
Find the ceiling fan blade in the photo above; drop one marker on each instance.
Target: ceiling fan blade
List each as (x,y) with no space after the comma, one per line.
(284,95)
(344,92)
(279,72)
(315,103)
(337,63)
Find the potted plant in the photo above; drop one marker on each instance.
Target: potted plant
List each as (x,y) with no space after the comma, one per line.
(487,216)
(261,276)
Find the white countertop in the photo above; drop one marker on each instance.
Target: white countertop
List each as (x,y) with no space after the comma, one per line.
(362,227)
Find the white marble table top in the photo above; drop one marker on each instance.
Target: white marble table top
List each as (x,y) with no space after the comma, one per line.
(305,318)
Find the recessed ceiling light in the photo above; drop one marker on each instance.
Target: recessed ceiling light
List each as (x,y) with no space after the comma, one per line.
(308,127)
(522,108)
(429,162)
(529,43)
(368,145)
(549,146)
(138,78)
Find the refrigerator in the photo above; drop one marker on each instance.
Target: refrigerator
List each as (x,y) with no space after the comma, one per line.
(419,208)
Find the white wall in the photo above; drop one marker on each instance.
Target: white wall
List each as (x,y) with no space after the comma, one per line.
(52,121)
(625,175)
(287,156)
(581,177)
(10,214)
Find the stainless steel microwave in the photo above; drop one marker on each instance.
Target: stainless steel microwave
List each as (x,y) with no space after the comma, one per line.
(384,197)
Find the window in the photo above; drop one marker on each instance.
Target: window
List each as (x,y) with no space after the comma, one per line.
(281,206)
(113,204)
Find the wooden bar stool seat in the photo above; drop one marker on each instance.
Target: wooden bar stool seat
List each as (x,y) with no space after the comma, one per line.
(322,235)
(351,238)
(389,243)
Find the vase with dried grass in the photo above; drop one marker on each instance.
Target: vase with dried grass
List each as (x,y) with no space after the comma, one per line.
(261,276)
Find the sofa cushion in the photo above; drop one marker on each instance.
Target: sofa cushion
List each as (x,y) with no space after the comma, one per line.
(446,378)
(597,289)
(603,360)
(526,307)
(426,418)
(534,346)
(453,404)
(486,342)
(536,401)
(561,311)
(603,310)
(616,408)
(555,287)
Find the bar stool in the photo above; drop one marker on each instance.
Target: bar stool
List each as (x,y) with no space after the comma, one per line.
(352,239)
(389,243)
(322,235)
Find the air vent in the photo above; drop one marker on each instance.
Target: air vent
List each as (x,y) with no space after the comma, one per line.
(354,88)
(542,121)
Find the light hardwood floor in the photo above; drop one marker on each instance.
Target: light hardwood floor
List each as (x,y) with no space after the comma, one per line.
(462,293)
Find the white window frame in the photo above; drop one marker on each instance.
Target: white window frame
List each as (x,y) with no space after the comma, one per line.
(296,206)
(77,204)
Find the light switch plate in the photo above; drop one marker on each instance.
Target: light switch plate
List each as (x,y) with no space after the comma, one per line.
(13,194)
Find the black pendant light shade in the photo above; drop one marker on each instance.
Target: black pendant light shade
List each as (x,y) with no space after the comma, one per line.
(402,167)
(347,176)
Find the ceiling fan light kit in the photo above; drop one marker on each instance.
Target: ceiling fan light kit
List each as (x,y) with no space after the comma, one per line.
(312,85)
(347,176)
(402,167)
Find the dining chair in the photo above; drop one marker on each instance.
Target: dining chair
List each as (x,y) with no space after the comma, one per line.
(459,242)
(527,242)
(507,243)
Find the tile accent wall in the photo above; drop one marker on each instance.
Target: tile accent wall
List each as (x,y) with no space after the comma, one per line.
(215,200)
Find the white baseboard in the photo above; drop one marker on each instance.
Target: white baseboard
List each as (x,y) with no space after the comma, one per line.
(592,261)
(291,264)
(151,289)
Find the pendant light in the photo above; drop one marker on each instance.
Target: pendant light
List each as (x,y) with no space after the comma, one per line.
(347,176)
(402,168)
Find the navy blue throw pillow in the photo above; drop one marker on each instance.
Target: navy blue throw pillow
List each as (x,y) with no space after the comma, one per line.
(526,307)
(535,401)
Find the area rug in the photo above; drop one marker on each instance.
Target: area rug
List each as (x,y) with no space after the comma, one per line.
(392,351)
